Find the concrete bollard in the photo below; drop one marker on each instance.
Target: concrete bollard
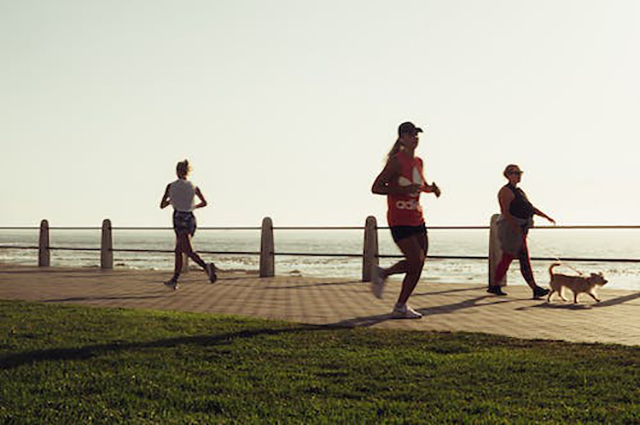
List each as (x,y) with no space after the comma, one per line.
(267,250)
(495,253)
(185,264)
(370,248)
(44,250)
(106,246)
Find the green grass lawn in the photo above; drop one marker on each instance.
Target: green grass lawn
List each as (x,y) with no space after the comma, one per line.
(67,364)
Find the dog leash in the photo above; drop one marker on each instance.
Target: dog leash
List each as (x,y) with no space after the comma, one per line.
(564,263)
(552,254)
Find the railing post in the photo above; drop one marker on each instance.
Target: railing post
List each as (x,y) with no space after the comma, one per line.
(370,249)
(495,253)
(106,246)
(267,251)
(185,263)
(44,252)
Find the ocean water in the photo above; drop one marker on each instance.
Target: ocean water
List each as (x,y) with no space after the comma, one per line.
(563,243)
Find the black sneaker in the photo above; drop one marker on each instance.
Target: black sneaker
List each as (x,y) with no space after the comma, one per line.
(496,290)
(211,271)
(539,292)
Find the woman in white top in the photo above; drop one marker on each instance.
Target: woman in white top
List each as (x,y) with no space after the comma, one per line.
(181,194)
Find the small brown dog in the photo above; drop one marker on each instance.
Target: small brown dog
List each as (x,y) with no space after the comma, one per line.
(577,284)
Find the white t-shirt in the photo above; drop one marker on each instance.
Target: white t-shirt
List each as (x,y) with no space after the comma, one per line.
(182,194)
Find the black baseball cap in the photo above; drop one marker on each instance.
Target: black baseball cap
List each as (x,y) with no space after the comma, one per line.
(408,127)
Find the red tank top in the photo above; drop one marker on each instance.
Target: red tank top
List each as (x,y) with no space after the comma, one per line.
(405,210)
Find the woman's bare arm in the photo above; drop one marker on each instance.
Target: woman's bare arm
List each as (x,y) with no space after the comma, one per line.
(165,198)
(203,202)
(382,184)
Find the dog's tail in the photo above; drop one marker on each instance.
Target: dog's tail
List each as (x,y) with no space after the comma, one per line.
(551,269)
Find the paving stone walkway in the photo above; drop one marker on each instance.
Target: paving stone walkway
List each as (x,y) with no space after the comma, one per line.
(446,307)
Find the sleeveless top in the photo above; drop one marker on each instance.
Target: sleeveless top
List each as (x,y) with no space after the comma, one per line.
(181,195)
(405,210)
(520,207)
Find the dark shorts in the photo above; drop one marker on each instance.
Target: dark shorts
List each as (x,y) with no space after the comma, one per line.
(184,223)
(401,232)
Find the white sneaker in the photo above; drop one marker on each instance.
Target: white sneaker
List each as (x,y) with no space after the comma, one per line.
(377,282)
(405,312)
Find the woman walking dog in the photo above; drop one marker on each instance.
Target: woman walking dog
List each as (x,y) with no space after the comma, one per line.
(402,181)
(513,226)
(181,194)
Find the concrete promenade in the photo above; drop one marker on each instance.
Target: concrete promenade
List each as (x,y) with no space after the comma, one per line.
(446,307)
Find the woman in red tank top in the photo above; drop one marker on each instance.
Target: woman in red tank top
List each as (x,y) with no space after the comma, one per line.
(402,181)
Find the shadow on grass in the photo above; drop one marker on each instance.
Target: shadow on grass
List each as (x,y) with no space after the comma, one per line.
(363,321)
(87,352)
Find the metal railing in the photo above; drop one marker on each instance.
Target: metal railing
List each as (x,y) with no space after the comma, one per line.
(267,252)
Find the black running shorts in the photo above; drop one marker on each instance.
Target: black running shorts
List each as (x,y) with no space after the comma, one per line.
(401,232)
(184,223)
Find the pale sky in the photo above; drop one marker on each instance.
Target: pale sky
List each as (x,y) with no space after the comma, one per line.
(287,108)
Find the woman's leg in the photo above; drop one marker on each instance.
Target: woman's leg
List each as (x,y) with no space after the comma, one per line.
(414,251)
(503,267)
(525,266)
(402,266)
(527,273)
(177,266)
(187,248)
(501,271)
